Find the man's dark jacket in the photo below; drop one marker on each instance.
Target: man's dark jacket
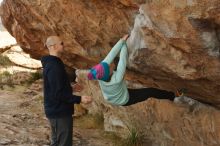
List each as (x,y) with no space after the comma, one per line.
(58,97)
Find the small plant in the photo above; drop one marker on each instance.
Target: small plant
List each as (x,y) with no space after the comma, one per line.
(5,61)
(6,74)
(6,79)
(134,137)
(35,76)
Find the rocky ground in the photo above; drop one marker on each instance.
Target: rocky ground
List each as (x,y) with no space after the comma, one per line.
(23,123)
(22,119)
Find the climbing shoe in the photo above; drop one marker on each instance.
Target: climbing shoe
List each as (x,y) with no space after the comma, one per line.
(181,92)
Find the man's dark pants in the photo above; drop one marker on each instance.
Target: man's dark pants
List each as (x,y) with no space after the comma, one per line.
(62,131)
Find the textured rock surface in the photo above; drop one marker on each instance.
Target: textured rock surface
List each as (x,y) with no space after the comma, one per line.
(173,43)
(17,56)
(86,26)
(161,122)
(182,41)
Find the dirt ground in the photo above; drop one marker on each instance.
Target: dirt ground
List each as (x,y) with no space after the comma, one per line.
(23,123)
(22,119)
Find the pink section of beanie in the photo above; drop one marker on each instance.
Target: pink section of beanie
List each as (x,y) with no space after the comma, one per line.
(90,76)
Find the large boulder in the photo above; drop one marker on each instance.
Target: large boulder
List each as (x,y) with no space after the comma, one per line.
(88,28)
(156,122)
(174,43)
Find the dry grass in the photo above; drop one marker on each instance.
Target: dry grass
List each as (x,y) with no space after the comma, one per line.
(6,79)
(5,61)
(35,76)
(134,137)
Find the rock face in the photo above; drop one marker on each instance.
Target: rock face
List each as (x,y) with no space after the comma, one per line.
(85,26)
(173,44)
(181,46)
(160,122)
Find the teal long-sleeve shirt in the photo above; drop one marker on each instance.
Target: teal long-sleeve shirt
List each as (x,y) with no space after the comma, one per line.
(115,91)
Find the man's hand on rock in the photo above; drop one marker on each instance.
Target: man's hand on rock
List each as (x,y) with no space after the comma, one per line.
(86,99)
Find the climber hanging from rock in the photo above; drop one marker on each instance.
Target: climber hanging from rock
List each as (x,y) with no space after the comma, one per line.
(110,75)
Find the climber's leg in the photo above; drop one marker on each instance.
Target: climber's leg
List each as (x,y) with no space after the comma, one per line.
(139,95)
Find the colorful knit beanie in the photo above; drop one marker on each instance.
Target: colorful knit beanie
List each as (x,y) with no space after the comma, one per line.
(99,72)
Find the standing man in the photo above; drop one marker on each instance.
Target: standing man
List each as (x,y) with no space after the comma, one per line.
(58,97)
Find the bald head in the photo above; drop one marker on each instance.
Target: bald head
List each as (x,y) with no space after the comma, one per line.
(55,45)
(53,40)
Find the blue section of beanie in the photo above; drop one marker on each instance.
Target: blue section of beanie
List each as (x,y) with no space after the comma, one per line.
(94,72)
(106,70)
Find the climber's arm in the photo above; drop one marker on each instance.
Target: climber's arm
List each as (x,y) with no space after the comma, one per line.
(121,68)
(114,52)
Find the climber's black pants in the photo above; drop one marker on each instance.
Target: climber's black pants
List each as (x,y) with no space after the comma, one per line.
(139,95)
